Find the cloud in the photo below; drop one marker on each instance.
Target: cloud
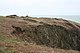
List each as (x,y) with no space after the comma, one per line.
(40,6)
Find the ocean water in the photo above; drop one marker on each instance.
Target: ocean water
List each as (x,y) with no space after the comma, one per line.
(75,18)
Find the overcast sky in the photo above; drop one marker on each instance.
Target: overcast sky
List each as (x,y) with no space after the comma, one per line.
(40,7)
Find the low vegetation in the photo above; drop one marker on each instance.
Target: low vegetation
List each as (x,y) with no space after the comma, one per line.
(38,35)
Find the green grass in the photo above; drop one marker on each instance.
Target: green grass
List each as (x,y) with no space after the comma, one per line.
(1,51)
(5,39)
(4,49)
(8,39)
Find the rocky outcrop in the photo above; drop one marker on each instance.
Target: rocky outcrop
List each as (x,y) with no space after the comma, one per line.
(55,36)
(12,16)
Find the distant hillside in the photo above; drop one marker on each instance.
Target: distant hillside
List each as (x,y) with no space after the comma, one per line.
(45,32)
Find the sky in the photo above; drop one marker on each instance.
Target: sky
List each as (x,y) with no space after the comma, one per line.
(40,7)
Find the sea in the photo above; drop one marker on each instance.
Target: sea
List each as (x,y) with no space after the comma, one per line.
(75,18)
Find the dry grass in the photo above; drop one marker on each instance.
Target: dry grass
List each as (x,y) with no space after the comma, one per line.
(36,29)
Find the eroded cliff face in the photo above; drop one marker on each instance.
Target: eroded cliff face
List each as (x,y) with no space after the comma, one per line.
(55,33)
(38,35)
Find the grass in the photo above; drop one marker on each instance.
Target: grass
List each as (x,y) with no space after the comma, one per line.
(4,49)
(7,39)
(4,38)
(2,19)
(1,51)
